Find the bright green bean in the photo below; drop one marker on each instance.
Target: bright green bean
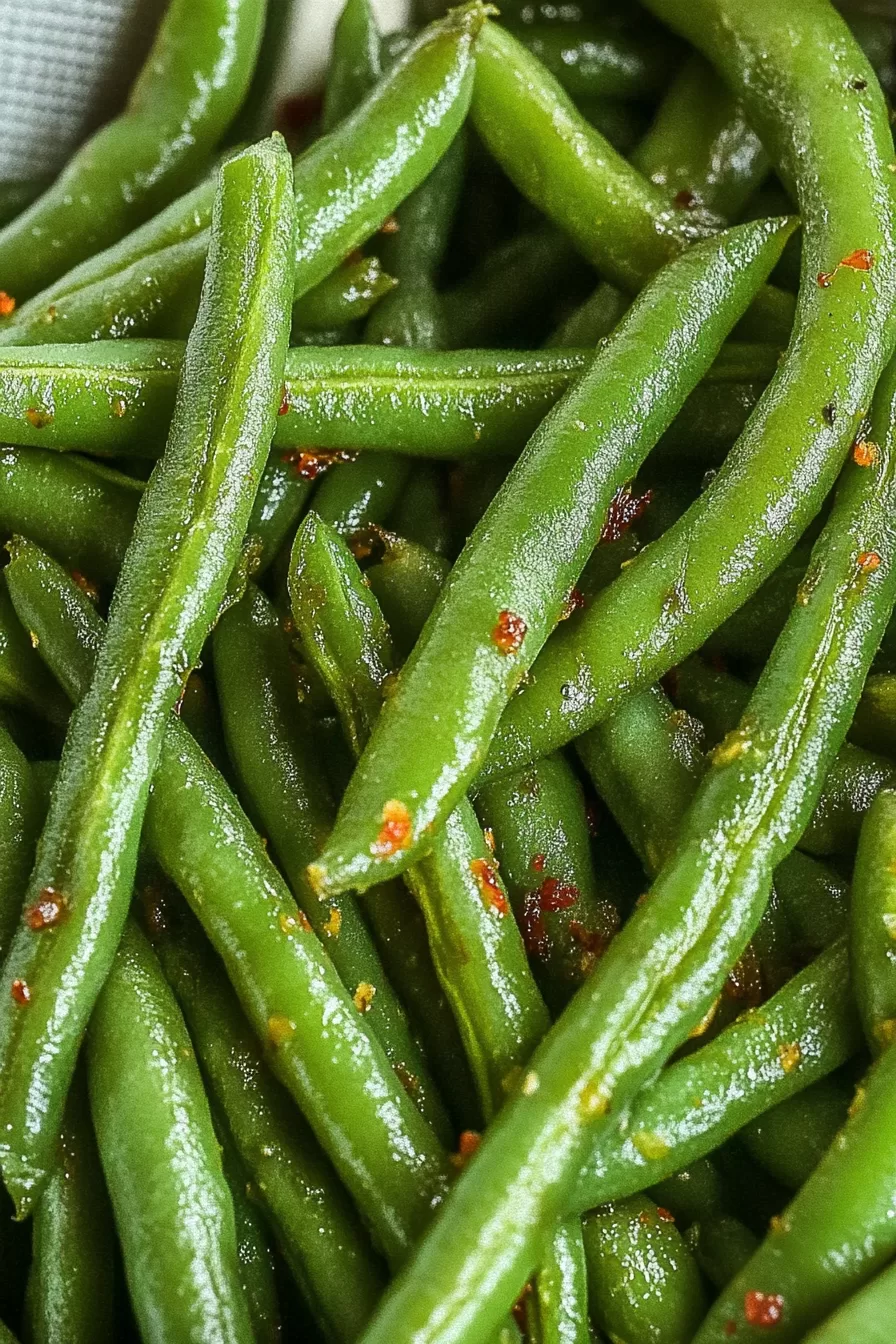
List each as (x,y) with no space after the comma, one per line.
(790,1140)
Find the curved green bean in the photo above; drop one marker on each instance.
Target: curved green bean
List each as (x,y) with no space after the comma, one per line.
(790,1140)
(868,1315)
(872,922)
(21,818)
(254,1251)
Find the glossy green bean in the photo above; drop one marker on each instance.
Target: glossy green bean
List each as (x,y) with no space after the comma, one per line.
(557,1306)
(790,1140)
(787,458)
(316,1227)
(542,843)
(23,680)
(594,59)
(405,581)
(721,1245)
(82,512)
(874,725)
(510,585)
(356,494)
(346,184)
(644,1283)
(191,85)
(348,295)
(255,1254)
(272,746)
(71,1284)
(313,1032)
(867,1316)
(663,970)
(355,62)
(873,922)
(174,1219)
(21,818)
(191,523)
(834,1235)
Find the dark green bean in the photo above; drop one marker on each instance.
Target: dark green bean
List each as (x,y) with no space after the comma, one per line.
(557,1306)
(282,788)
(315,1224)
(355,63)
(591,59)
(874,725)
(175,1219)
(867,1316)
(873,922)
(790,1140)
(192,520)
(509,587)
(405,581)
(21,817)
(314,1034)
(722,1245)
(23,680)
(348,295)
(421,515)
(662,972)
(358,493)
(71,1284)
(191,85)
(644,1283)
(774,481)
(255,1254)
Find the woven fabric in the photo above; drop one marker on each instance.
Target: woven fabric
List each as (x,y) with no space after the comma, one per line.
(65,66)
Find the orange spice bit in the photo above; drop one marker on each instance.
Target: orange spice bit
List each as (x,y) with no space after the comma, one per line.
(51,314)
(575,601)
(309,464)
(467,1144)
(7,304)
(283,408)
(860,260)
(554,895)
(865,453)
(21,993)
(363,997)
(390,224)
(624,511)
(280,1028)
(538,861)
(46,912)
(665,1215)
(867,562)
(488,836)
(86,585)
(38,419)
(509,632)
(789,1055)
(533,929)
(489,886)
(119,408)
(333,922)
(763,1309)
(289,924)
(395,832)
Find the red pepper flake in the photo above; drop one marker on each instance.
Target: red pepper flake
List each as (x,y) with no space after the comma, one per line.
(860,260)
(624,511)
(467,1144)
(665,1215)
(685,200)
(38,419)
(21,993)
(86,585)
(538,862)
(554,895)
(46,912)
(868,561)
(865,453)
(575,601)
(283,408)
(509,632)
(763,1309)
(395,832)
(309,464)
(489,886)
(390,225)
(7,304)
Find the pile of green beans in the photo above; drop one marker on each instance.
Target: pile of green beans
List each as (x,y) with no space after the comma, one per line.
(448,686)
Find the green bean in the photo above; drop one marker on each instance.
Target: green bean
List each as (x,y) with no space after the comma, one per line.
(812,1117)
(594,58)
(192,520)
(644,1283)
(557,1308)
(71,1284)
(191,85)
(502,599)
(348,295)
(255,1254)
(661,973)
(328,1254)
(282,788)
(346,184)
(282,496)
(314,1034)
(873,922)
(175,1219)
(874,725)
(542,843)
(832,1237)
(815,899)
(868,1315)
(697,1191)
(21,817)
(82,512)
(361,492)
(786,460)
(355,62)
(405,582)
(721,1245)
(421,515)
(23,680)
